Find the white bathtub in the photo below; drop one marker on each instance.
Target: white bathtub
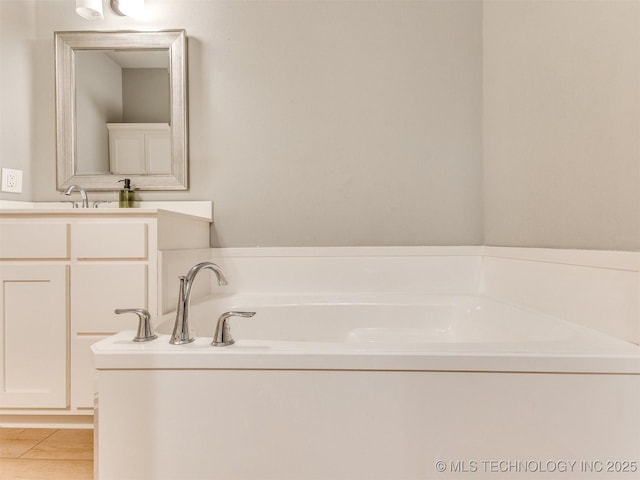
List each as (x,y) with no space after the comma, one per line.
(386,320)
(370,387)
(383,322)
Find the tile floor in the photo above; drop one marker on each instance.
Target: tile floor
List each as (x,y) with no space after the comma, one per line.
(45,454)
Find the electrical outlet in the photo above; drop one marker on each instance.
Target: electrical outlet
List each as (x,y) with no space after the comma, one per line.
(11,180)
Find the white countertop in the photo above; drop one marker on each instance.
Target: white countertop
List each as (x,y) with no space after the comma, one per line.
(199,209)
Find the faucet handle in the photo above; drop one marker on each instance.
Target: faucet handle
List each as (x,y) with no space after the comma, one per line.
(222,337)
(145,330)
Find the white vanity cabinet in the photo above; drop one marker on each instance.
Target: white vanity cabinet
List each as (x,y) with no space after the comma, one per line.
(63,273)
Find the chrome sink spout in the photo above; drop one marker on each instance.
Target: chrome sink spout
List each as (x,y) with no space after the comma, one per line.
(83,194)
(181,332)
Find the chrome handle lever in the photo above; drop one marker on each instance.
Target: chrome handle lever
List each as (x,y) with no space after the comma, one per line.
(222,337)
(145,330)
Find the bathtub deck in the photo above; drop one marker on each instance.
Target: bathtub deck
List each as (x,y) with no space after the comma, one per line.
(596,353)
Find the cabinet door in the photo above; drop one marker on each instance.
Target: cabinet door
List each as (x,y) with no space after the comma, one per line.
(33,349)
(83,373)
(158,153)
(97,290)
(126,153)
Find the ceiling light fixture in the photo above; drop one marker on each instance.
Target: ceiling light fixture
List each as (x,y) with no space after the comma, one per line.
(129,8)
(89,9)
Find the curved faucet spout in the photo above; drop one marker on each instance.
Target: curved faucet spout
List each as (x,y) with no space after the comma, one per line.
(193,271)
(83,194)
(181,332)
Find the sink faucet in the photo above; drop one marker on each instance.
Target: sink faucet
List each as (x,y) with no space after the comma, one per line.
(181,333)
(83,194)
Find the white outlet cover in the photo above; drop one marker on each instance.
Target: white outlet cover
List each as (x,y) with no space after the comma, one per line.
(11,180)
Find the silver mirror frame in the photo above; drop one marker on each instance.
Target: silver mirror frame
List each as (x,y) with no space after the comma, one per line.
(65,44)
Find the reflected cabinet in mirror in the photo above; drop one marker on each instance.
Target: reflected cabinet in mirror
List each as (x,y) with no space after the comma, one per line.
(121,100)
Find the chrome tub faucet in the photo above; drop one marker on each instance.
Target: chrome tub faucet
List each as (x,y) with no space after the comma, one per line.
(222,336)
(145,329)
(181,332)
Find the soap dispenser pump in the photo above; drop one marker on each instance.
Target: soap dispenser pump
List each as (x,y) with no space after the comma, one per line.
(126,194)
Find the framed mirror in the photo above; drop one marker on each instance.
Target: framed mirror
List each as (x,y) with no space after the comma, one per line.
(121,110)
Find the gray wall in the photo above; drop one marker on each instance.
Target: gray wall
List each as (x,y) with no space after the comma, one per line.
(316,123)
(145,95)
(361,123)
(18,91)
(562,124)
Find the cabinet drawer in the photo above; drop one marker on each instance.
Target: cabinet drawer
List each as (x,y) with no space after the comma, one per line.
(42,240)
(109,240)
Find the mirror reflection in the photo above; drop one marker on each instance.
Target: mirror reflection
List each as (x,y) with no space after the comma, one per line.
(121,109)
(122,112)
